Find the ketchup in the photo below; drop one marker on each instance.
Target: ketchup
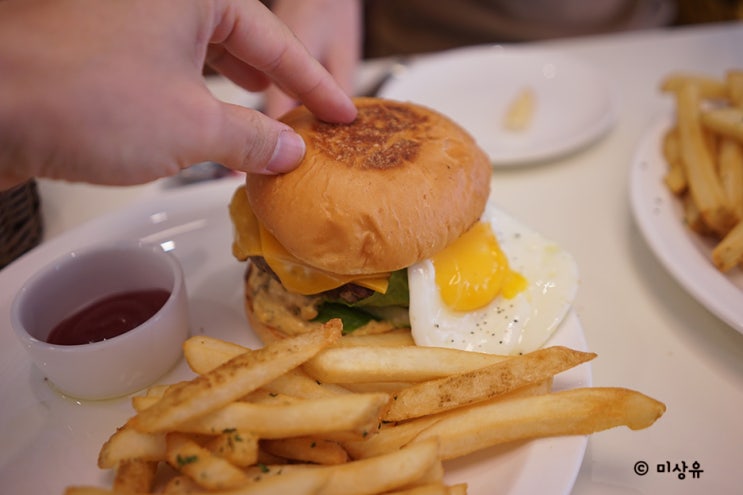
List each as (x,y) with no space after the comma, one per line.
(108,317)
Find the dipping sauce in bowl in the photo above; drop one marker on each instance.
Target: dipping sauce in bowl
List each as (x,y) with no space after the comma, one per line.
(108,317)
(104,321)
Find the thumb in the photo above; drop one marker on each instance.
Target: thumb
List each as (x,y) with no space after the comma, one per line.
(251,142)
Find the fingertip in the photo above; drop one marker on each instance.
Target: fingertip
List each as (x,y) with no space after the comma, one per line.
(339,108)
(287,154)
(347,112)
(248,141)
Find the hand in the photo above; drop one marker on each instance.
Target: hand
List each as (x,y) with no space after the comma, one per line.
(112,92)
(331,30)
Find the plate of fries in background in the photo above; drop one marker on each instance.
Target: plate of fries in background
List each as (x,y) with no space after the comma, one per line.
(686,189)
(313,414)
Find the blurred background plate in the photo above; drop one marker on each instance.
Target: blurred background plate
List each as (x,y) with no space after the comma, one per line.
(475,86)
(686,255)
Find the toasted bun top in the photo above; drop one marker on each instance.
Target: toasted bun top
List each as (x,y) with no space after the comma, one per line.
(396,186)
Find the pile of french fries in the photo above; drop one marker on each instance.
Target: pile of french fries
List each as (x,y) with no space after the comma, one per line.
(704,153)
(321,414)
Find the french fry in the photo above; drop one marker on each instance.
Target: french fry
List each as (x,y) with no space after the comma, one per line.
(727,121)
(88,490)
(199,464)
(384,473)
(394,387)
(233,379)
(204,353)
(379,474)
(142,402)
(151,395)
(297,479)
(180,485)
(157,390)
(127,443)
(390,438)
(297,482)
(579,411)
(704,184)
(693,218)
(520,111)
(134,476)
(393,338)
(731,174)
(675,177)
(711,141)
(272,466)
(263,396)
(356,415)
(734,81)
(238,447)
(434,474)
(386,387)
(298,384)
(706,86)
(729,252)
(460,389)
(458,489)
(381,364)
(427,489)
(307,449)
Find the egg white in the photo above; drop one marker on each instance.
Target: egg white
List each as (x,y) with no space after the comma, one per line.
(505,326)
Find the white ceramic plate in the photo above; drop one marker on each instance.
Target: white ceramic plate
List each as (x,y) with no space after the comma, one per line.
(226,90)
(474,86)
(685,255)
(49,442)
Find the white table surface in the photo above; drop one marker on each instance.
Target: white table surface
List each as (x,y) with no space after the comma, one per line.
(649,333)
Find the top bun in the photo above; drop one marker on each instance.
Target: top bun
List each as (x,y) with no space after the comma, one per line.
(395,186)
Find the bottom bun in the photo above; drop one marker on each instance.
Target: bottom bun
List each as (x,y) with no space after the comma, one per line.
(266,333)
(272,311)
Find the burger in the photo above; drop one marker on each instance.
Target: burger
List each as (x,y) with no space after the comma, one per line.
(351,232)
(333,237)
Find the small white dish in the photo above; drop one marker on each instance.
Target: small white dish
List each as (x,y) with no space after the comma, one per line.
(686,255)
(475,86)
(122,364)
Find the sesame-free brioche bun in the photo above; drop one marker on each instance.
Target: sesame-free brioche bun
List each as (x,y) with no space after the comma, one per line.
(396,186)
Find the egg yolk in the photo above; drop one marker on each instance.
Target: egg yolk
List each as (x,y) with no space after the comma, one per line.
(473,271)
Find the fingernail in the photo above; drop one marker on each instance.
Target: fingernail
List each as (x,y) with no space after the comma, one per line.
(288,153)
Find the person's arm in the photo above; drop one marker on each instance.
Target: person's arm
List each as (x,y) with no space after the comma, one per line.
(112,92)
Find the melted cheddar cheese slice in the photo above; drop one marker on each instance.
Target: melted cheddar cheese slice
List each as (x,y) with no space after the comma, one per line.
(252,239)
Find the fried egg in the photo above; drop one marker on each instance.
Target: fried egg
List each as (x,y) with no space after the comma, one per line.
(502,288)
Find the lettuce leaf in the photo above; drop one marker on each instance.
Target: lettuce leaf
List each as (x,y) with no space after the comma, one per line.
(397,293)
(353,318)
(358,314)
